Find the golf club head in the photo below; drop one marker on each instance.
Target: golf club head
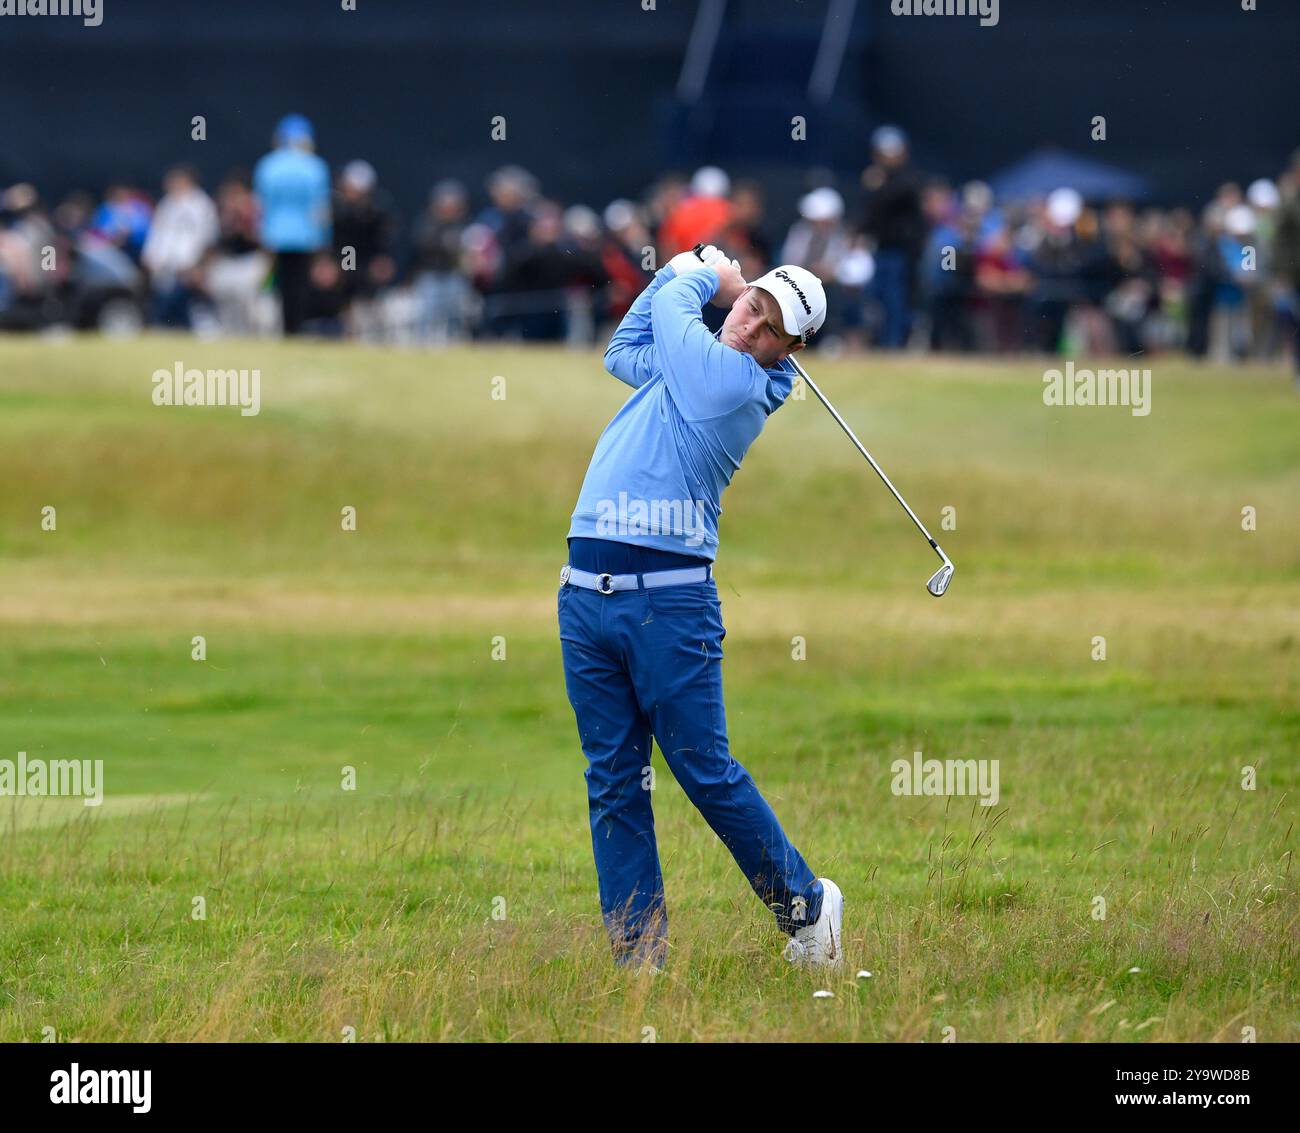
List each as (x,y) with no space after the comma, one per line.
(939,580)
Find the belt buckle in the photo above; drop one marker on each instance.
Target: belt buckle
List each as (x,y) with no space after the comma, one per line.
(601,581)
(565,571)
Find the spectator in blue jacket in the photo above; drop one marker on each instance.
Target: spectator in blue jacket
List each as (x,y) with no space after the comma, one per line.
(293,187)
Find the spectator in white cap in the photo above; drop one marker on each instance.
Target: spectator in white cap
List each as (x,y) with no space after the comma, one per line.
(441,265)
(818,239)
(1230,323)
(1265,201)
(1267,314)
(1058,256)
(1064,207)
(363,222)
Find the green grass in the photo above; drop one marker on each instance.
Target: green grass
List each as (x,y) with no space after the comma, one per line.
(374,908)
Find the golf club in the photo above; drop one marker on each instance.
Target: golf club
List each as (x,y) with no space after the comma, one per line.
(943,576)
(939,580)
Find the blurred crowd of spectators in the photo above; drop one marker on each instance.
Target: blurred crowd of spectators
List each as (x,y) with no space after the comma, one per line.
(909,261)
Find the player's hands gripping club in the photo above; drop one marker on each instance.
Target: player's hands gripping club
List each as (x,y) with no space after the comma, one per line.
(730,282)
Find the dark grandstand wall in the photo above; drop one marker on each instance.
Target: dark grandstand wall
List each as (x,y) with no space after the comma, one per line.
(1195,91)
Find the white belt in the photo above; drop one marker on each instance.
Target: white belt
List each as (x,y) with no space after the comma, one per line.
(608,583)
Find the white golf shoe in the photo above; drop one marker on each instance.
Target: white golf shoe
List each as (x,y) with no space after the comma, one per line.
(818,944)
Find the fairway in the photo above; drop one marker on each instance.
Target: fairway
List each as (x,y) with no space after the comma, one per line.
(451,895)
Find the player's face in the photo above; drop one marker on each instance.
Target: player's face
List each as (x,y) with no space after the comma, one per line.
(753,326)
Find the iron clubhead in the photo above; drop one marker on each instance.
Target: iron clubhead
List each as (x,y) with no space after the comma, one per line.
(939,580)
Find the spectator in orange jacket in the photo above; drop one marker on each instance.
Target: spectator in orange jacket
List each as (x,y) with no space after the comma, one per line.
(700,217)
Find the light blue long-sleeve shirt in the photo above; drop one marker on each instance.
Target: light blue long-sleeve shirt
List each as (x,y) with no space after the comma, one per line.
(660,467)
(294,189)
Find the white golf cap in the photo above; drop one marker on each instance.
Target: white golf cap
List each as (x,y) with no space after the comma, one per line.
(821,204)
(1240,220)
(360,175)
(800,296)
(1064,207)
(619,214)
(710,181)
(1263,194)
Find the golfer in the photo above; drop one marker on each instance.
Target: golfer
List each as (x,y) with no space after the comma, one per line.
(640,621)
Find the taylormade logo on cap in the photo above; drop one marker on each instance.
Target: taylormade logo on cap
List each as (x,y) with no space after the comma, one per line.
(800,296)
(781,274)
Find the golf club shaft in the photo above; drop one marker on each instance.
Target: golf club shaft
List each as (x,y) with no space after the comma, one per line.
(699,250)
(862,449)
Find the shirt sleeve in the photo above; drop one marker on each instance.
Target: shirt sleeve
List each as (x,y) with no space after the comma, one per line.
(630,354)
(705,378)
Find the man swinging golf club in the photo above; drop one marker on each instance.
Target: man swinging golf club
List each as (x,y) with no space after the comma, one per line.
(640,621)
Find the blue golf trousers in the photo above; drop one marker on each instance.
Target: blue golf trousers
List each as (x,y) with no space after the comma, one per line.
(648,662)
